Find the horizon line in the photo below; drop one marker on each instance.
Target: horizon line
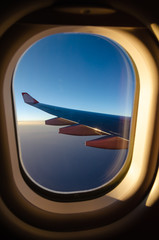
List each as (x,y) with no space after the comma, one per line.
(23,122)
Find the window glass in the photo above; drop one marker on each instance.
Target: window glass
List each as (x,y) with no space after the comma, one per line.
(90,82)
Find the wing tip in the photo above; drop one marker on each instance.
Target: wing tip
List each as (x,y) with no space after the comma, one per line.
(29,99)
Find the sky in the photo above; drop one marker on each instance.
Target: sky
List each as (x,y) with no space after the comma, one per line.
(74,70)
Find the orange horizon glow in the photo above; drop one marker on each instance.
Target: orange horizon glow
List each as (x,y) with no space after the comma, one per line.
(38,122)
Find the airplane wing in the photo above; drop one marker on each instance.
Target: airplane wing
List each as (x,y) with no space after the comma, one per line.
(114,129)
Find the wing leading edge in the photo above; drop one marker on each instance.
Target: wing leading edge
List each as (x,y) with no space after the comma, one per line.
(82,123)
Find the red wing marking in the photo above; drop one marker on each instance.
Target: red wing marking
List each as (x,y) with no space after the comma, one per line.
(29,99)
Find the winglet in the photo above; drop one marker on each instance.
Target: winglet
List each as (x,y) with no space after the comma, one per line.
(28,99)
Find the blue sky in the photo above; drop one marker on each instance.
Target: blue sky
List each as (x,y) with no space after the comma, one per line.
(74,70)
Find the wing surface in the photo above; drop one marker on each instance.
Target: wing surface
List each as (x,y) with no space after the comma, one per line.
(83,123)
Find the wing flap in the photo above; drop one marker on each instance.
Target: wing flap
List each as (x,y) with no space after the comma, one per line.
(81,130)
(59,122)
(111,142)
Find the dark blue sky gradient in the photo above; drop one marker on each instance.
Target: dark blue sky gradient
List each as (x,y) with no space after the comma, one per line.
(80,71)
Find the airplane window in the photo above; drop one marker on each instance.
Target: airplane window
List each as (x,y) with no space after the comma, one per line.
(74,96)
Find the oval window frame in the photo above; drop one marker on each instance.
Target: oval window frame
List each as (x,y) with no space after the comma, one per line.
(108,203)
(82,195)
